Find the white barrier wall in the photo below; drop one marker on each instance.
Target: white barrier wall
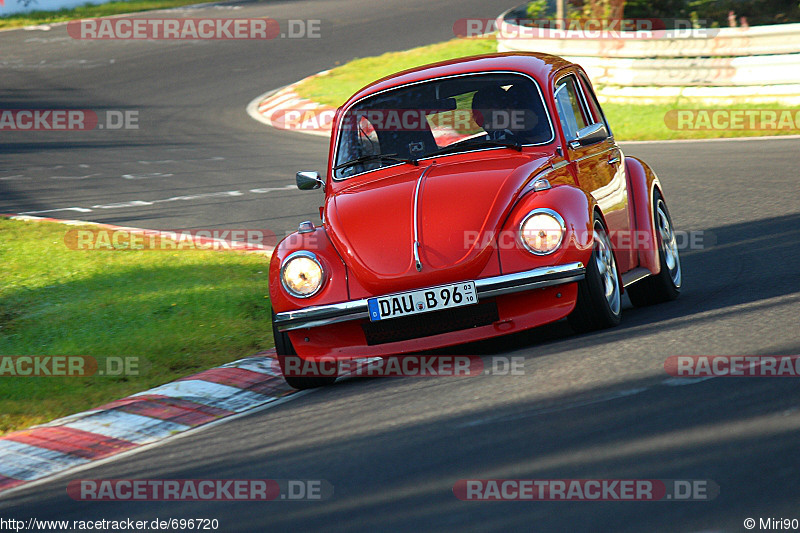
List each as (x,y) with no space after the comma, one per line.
(12,6)
(758,64)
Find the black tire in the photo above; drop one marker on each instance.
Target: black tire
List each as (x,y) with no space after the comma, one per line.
(284,349)
(594,309)
(666,285)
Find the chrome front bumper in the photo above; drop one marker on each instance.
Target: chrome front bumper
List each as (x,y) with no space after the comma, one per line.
(322,315)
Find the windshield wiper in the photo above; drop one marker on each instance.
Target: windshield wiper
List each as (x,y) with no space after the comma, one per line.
(473,143)
(375,157)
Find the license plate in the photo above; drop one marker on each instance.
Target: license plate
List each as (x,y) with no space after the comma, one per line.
(422,301)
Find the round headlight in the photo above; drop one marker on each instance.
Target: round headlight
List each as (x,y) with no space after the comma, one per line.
(302,274)
(542,231)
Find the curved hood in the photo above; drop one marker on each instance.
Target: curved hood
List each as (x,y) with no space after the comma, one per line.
(459,207)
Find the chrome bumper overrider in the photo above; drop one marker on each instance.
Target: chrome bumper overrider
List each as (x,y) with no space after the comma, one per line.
(537,278)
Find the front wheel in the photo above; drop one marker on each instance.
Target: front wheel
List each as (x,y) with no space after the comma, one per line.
(599,296)
(285,350)
(666,285)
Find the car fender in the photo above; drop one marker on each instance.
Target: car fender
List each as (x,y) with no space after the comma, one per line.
(335,286)
(642,183)
(574,206)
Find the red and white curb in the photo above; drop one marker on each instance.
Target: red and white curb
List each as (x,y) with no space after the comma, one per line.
(285,109)
(143,418)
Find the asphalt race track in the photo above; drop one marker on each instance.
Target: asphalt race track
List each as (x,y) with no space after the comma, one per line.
(591,406)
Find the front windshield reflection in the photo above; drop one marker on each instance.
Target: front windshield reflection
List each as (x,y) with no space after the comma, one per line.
(414,121)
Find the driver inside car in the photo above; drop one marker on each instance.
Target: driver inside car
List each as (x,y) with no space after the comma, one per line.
(497,111)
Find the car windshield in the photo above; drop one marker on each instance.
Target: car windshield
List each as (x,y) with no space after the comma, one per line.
(447,115)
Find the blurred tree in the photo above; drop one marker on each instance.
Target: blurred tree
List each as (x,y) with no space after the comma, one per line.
(715,12)
(708,13)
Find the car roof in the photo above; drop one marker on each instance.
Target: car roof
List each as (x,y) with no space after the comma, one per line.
(537,65)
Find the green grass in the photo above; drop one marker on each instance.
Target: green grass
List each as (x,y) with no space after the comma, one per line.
(628,121)
(88,11)
(632,122)
(179,311)
(341,82)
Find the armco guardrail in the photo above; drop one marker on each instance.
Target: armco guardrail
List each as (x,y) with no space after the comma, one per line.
(757,64)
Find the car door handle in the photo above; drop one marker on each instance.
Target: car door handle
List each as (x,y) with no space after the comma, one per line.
(613,160)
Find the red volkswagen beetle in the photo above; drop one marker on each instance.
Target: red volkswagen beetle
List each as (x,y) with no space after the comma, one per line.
(465,200)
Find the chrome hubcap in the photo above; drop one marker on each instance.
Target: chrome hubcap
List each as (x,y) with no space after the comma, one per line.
(670,247)
(607,267)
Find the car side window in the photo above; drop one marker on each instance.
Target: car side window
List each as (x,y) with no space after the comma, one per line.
(570,110)
(594,105)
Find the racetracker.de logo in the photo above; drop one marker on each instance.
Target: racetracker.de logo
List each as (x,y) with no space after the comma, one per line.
(622,239)
(761,366)
(67,120)
(733,119)
(165,490)
(584,28)
(192,29)
(552,490)
(73,366)
(169,240)
(47,119)
(411,365)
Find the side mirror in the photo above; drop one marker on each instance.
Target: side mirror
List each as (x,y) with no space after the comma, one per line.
(591,134)
(308,180)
